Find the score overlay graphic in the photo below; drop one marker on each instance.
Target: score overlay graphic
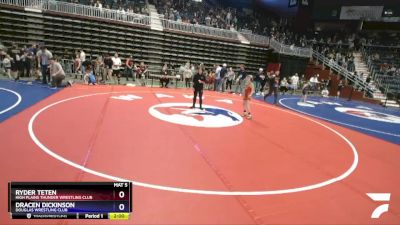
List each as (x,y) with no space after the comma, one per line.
(70,200)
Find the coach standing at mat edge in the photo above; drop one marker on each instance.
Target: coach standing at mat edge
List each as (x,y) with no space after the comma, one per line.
(198,84)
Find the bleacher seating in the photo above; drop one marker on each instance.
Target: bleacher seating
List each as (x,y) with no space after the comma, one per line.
(65,34)
(384,62)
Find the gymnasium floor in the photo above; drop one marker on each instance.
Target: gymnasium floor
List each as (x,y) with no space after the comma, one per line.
(291,164)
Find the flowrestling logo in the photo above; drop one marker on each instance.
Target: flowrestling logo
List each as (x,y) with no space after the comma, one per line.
(369,114)
(182,114)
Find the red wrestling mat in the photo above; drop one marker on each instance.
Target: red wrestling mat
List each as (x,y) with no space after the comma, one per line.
(201,167)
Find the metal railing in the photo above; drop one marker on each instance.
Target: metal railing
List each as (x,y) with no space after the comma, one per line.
(354,79)
(23,3)
(82,10)
(256,39)
(198,29)
(290,50)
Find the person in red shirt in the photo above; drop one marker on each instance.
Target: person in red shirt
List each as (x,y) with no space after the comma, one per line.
(248,92)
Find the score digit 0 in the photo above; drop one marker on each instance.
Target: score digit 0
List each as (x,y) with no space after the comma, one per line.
(121,194)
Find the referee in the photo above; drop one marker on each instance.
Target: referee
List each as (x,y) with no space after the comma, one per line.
(198,85)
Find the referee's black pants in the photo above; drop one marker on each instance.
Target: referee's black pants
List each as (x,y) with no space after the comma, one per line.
(198,92)
(270,91)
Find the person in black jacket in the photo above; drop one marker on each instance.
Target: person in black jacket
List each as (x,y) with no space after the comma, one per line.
(198,84)
(240,80)
(273,80)
(223,77)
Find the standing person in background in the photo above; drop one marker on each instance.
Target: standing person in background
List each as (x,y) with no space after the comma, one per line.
(14,66)
(44,57)
(22,55)
(108,63)
(116,66)
(314,82)
(129,65)
(34,62)
(82,57)
(240,80)
(86,64)
(99,67)
(187,74)
(306,88)
(257,81)
(230,79)
(77,66)
(270,80)
(18,59)
(295,82)
(248,92)
(273,86)
(7,65)
(217,77)
(263,81)
(329,83)
(28,62)
(210,80)
(198,84)
(223,77)
(340,87)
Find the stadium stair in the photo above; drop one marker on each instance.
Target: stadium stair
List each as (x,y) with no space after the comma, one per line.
(242,39)
(155,21)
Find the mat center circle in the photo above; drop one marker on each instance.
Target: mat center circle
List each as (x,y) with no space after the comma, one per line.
(183,114)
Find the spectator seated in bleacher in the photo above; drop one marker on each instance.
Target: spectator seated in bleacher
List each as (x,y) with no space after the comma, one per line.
(141,73)
(325,93)
(164,80)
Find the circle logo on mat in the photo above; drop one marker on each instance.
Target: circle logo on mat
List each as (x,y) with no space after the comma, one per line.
(368,114)
(182,114)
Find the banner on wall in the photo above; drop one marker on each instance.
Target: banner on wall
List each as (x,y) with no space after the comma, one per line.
(293,3)
(274,67)
(361,12)
(304,2)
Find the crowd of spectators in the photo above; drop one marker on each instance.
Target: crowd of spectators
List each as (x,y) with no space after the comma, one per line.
(197,13)
(38,62)
(216,16)
(19,62)
(31,61)
(253,21)
(123,6)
